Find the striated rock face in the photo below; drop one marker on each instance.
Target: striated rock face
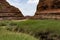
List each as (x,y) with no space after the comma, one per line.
(9,12)
(48,9)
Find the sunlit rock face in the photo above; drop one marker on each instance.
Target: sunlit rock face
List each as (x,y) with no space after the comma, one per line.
(9,12)
(48,9)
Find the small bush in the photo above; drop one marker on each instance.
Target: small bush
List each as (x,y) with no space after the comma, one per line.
(2,24)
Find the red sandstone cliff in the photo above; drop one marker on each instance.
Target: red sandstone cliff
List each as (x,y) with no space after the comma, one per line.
(48,9)
(9,12)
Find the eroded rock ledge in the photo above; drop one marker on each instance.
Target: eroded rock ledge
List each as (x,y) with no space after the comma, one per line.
(8,12)
(48,9)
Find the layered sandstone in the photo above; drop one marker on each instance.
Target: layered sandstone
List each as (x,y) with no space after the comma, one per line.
(48,9)
(9,12)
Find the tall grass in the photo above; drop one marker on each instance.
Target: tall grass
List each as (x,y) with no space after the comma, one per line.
(7,35)
(33,26)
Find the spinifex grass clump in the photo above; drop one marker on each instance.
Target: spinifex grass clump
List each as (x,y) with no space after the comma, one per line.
(7,35)
(34,27)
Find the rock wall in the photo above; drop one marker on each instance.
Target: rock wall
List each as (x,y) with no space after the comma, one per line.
(48,9)
(8,12)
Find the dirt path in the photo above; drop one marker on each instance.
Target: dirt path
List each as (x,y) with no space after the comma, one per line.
(19,20)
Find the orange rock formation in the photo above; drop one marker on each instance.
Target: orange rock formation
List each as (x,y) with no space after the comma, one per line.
(48,9)
(8,12)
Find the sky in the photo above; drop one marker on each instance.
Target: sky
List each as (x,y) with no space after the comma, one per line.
(27,7)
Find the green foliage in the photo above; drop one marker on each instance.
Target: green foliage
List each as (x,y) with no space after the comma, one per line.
(6,35)
(32,26)
(0,7)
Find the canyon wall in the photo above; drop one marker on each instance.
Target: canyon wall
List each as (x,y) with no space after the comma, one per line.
(48,9)
(8,12)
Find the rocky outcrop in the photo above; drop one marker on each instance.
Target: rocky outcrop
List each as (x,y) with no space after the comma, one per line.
(9,12)
(48,9)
